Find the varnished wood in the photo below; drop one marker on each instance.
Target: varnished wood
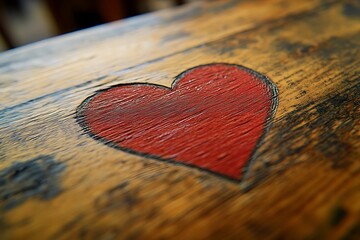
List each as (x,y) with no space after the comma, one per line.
(56,182)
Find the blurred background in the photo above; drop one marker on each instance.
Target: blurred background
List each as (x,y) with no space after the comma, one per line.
(27,21)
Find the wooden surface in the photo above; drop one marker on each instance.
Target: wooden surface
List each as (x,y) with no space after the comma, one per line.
(57,182)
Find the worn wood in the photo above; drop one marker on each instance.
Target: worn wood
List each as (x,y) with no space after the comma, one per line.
(57,182)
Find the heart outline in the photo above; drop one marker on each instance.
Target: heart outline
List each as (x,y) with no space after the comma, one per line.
(247,167)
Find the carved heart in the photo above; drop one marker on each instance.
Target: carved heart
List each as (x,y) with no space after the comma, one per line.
(214,117)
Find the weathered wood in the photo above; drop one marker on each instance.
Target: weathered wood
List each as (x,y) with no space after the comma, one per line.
(56,182)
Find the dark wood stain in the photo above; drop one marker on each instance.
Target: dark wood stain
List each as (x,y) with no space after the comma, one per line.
(352,9)
(338,215)
(37,177)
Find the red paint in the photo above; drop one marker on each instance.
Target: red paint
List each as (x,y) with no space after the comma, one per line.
(212,118)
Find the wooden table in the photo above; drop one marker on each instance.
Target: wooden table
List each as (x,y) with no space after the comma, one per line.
(58,180)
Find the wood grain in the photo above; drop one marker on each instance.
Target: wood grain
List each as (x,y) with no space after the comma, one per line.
(58,183)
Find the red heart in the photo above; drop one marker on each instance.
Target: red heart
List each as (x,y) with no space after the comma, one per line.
(213,117)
